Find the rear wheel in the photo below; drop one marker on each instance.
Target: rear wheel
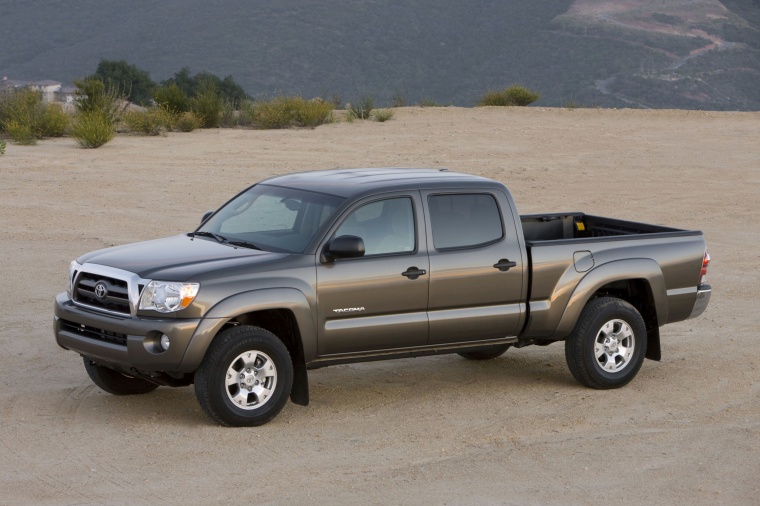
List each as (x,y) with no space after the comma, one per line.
(245,378)
(116,383)
(608,344)
(486,353)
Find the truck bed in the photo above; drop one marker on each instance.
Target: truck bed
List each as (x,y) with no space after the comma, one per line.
(567,226)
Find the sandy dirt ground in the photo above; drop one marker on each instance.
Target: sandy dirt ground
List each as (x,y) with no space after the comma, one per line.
(439,430)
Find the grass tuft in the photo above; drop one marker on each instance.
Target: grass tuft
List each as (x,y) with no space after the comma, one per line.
(383,115)
(362,108)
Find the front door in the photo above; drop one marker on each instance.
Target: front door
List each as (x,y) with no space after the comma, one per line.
(377,301)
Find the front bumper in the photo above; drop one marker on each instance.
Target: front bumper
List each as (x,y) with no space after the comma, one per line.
(128,342)
(703,299)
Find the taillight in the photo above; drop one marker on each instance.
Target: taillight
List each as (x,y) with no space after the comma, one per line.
(705,265)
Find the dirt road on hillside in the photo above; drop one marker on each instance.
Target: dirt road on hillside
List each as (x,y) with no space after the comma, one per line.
(439,430)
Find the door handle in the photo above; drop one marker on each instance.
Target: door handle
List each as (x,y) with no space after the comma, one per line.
(504,265)
(414,272)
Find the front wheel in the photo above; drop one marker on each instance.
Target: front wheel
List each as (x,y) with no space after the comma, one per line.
(608,344)
(245,377)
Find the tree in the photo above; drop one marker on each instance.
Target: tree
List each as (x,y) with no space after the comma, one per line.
(136,83)
(194,85)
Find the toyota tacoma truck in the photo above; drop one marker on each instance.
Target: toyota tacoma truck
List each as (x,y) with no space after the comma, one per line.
(308,270)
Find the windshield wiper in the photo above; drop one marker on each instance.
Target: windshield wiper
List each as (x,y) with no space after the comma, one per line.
(243,244)
(217,237)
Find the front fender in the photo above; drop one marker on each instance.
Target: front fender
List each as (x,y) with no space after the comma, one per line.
(255,300)
(619,270)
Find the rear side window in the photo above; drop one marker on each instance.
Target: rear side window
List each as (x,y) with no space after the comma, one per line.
(464,221)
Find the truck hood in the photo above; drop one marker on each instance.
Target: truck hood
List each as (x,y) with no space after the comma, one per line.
(177,258)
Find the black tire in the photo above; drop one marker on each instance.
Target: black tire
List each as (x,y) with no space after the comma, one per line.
(598,351)
(116,383)
(231,350)
(486,353)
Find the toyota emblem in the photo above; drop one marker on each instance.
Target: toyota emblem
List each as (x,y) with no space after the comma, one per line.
(101,290)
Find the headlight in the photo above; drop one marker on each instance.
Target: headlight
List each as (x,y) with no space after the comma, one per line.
(168,296)
(74,269)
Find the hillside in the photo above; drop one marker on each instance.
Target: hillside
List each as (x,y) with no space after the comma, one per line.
(678,54)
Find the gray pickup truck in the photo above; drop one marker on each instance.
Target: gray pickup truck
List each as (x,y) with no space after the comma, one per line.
(308,270)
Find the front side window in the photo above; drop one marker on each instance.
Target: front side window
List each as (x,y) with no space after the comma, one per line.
(385,226)
(465,220)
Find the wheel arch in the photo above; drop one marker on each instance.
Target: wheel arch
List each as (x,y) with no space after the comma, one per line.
(637,281)
(283,311)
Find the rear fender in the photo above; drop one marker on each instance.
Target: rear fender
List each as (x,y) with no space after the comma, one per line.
(620,270)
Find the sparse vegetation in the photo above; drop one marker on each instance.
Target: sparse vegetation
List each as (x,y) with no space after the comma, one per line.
(512,96)
(312,113)
(2,147)
(187,122)
(20,133)
(94,96)
(172,98)
(25,118)
(207,104)
(92,129)
(152,121)
(287,111)
(362,108)
(400,98)
(230,115)
(383,115)
(429,102)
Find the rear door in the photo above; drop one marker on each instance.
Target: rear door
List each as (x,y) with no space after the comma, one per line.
(378,301)
(476,267)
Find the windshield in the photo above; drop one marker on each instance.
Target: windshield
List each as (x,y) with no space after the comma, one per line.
(271,218)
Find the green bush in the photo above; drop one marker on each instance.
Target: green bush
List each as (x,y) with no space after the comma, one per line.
(512,96)
(20,133)
(53,122)
(22,113)
(2,147)
(362,108)
(279,112)
(382,115)
(152,121)
(312,113)
(93,129)
(172,98)
(247,114)
(230,116)
(207,104)
(93,96)
(187,122)
(287,111)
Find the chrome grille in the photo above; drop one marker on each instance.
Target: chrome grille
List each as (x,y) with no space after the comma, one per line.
(102,292)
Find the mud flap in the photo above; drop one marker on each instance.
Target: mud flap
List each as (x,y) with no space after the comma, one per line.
(299,393)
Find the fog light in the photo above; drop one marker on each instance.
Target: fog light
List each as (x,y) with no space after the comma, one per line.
(165,342)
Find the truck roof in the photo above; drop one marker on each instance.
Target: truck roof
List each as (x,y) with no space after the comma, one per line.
(351,182)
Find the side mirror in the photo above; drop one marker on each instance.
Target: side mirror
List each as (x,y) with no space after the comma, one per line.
(345,246)
(206,216)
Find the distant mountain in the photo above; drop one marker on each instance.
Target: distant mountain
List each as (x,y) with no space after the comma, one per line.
(701,54)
